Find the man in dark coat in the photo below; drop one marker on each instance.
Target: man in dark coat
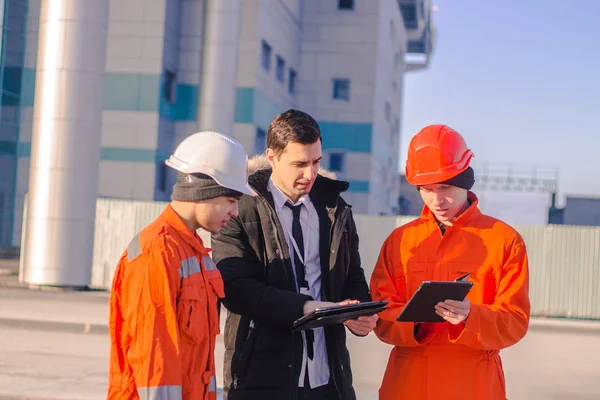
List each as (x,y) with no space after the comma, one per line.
(292,249)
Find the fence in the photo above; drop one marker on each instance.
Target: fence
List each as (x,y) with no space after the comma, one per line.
(564,261)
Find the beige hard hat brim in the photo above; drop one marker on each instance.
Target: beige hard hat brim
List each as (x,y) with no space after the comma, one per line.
(225,182)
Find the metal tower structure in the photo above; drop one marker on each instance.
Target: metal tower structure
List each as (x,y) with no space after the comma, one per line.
(516,178)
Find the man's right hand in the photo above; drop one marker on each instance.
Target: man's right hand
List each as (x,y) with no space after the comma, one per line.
(311,306)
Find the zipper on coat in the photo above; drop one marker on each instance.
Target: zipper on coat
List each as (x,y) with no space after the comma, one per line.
(335,242)
(334,246)
(291,368)
(235,380)
(335,384)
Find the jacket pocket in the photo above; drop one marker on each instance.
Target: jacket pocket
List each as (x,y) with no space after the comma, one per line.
(215,292)
(459,269)
(216,283)
(414,275)
(191,314)
(241,359)
(484,281)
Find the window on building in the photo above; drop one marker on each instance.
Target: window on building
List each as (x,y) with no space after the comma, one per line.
(336,162)
(388,111)
(345,4)
(409,15)
(341,89)
(266,55)
(169,86)
(260,141)
(280,71)
(161,179)
(292,82)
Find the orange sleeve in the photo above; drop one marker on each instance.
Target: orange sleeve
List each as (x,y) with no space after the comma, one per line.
(150,310)
(505,322)
(119,384)
(388,283)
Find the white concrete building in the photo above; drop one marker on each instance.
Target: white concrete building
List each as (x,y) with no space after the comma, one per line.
(174,67)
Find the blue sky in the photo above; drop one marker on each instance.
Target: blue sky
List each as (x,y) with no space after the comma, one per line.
(519,79)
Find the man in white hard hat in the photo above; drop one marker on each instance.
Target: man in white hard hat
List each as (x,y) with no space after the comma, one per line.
(163,305)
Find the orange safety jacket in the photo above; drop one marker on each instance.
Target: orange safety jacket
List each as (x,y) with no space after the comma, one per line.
(441,361)
(163,316)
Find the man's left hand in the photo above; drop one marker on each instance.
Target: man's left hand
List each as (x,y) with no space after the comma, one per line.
(363,325)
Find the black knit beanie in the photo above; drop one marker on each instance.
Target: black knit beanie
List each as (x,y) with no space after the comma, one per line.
(198,187)
(465,179)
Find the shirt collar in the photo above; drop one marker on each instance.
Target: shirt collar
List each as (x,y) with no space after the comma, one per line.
(279,198)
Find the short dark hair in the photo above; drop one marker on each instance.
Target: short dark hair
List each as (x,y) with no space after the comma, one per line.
(292,126)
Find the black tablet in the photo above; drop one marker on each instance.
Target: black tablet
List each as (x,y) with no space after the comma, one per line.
(338,314)
(421,306)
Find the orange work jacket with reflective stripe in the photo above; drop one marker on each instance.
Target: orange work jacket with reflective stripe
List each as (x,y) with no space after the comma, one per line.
(441,361)
(163,316)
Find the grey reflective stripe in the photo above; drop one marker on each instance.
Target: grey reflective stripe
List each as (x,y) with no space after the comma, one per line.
(160,393)
(189,266)
(134,249)
(212,386)
(209,264)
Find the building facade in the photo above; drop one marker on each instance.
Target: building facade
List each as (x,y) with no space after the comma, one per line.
(583,211)
(174,67)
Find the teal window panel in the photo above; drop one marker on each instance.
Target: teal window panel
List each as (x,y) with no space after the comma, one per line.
(8,147)
(149,91)
(244,105)
(24,149)
(363,137)
(264,109)
(185,107)
(359,186)
(28,87)
(161,156)
(187,102)
(252,106)
(121,91)
(11,80)
(346,136)
(110,153)
(131,155)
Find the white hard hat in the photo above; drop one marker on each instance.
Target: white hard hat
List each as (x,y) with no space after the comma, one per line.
(216,155)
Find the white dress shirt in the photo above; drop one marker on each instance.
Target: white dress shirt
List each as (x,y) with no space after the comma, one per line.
(318,367)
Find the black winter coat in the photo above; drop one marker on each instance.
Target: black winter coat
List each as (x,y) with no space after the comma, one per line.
(262,356)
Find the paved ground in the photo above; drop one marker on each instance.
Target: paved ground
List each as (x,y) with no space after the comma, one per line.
(53,345)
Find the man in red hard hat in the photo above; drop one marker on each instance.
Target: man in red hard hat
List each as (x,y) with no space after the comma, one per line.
(458,358)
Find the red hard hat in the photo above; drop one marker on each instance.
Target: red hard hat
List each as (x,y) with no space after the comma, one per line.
(436,154)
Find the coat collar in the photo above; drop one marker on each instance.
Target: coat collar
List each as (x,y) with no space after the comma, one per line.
(325,190)
(463,219)
(171,218)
